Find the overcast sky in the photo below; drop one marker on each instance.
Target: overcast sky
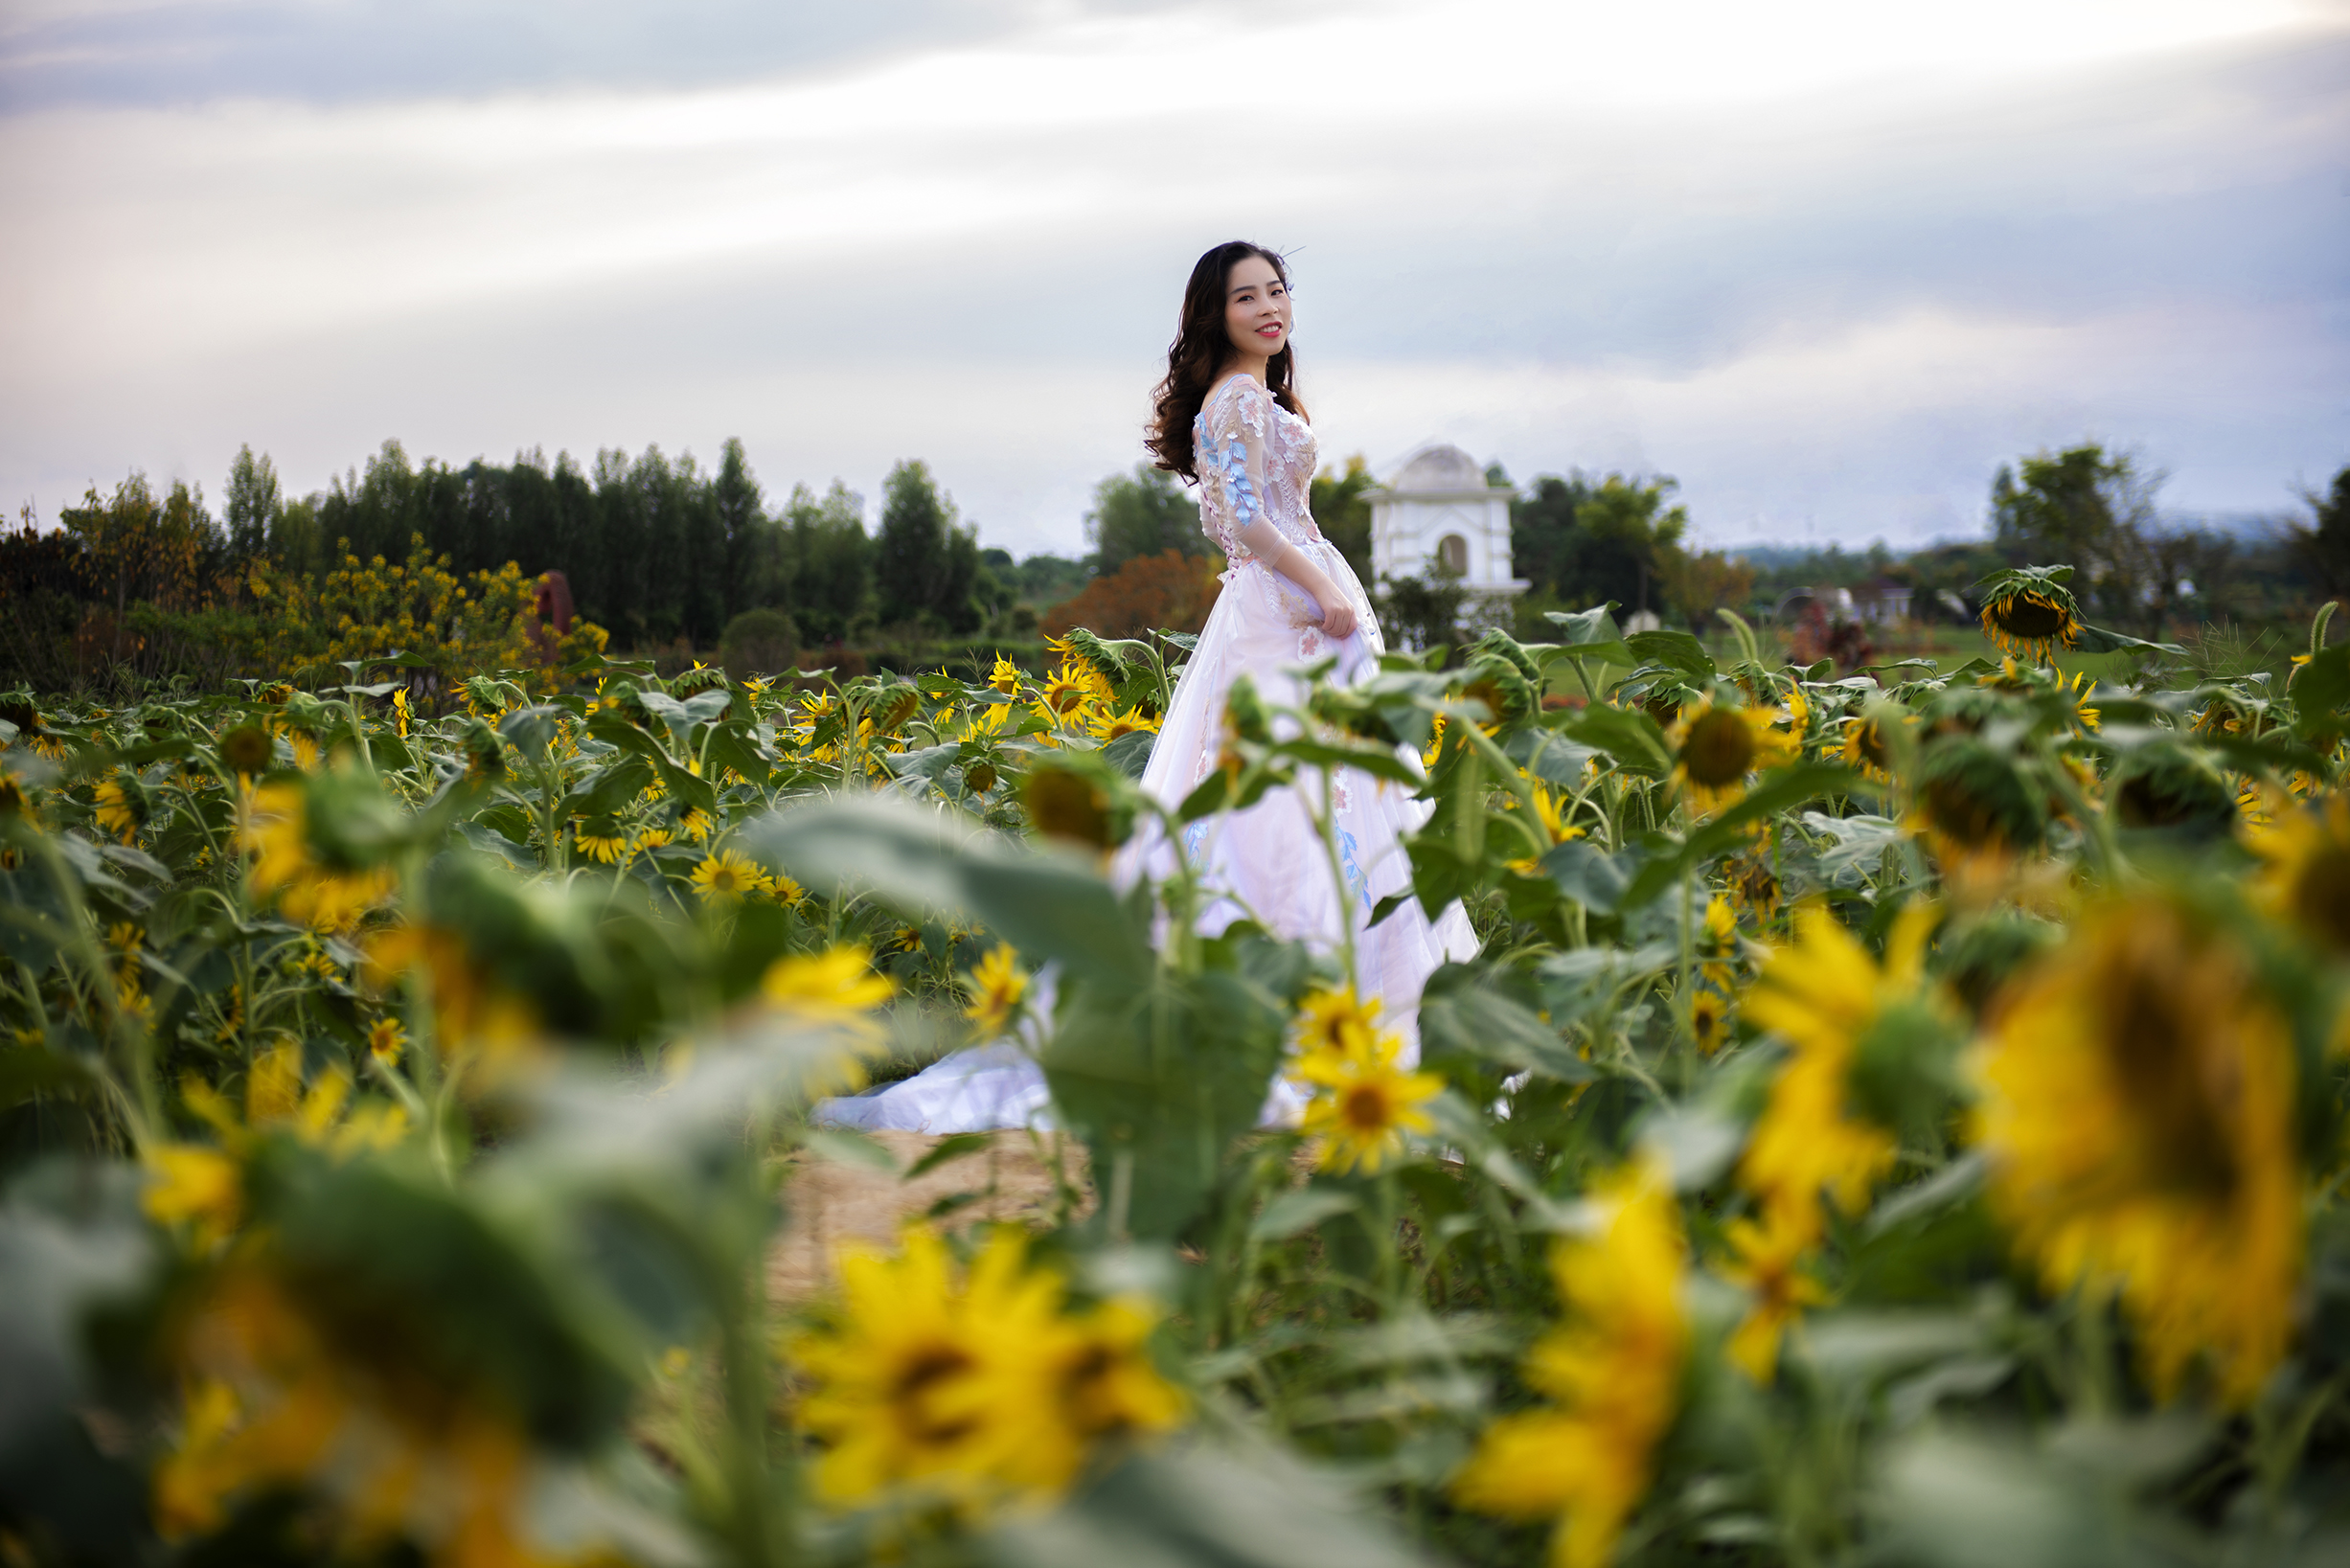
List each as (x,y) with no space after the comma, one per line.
(1827,261)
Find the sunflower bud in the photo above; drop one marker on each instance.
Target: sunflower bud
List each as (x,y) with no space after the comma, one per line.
(979,778)
(246,749)
(1065,804)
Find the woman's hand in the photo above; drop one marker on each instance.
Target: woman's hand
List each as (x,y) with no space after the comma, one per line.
(1337,615)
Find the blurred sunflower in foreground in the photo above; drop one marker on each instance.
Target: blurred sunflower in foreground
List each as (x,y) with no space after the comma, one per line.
(2138,1113)
(1613,1373)
(971,1389)
(2306,877)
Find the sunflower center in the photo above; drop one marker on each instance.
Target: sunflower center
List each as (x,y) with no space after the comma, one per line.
(921,1377)
(2027,616)
(1364,1108)
(2321,895)
(1720,748)
(2167,1021)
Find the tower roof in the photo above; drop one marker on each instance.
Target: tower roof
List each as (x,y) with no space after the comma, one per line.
(1440,466)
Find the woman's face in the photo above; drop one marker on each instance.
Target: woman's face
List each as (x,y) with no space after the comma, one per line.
(1256,307)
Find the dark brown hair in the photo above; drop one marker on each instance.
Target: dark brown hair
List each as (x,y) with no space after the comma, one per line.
(1201,348)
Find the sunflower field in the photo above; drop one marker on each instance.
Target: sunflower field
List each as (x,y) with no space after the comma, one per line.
(1892,1120)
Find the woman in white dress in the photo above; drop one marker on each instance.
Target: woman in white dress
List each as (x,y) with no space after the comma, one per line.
(1229,420)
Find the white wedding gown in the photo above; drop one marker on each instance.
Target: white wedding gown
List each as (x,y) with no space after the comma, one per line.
(1267,863)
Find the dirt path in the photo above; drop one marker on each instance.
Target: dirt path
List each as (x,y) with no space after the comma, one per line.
(832,1200)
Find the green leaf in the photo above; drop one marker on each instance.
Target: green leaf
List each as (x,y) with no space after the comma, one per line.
(1592,626)
(1045,904)
(1463,1012)
(1130,754)
(1589,874)
(1299,1209)
(1677,649)
(948,1149)
(1628,735)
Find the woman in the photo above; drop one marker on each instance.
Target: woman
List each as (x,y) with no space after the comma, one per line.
(1228,419)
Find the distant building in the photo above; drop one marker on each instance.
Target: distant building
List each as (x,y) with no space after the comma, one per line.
(1879,602)
(1438,508)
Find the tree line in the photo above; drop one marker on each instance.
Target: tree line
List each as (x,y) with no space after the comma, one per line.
(655,549)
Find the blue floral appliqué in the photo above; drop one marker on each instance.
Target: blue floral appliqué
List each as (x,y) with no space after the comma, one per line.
(1349,859)
(1195,841)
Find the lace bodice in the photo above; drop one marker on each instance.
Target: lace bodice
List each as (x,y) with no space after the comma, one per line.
(1256,465)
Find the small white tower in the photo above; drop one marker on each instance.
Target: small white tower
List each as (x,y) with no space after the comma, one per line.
(1438,507)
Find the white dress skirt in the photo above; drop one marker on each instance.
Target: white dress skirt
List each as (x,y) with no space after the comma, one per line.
(1268,863)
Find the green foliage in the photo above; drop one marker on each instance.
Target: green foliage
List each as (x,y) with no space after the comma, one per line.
(924,568)
(1342,509)
(1142,513)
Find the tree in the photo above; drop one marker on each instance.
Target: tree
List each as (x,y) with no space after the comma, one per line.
(2082,507)
(251,505)
(2324,548)
(924,568)
(1343,514)
(1697,586)
(1615,549)
(1142,513)
(829,563)
(1542,529)
(1171,591)
(749,565)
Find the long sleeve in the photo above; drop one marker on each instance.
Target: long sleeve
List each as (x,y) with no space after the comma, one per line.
(1231,459)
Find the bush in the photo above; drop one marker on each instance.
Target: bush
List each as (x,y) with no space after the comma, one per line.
(758,641)
(1171,591)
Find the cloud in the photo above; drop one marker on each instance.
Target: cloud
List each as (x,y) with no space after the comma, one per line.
(1826,263)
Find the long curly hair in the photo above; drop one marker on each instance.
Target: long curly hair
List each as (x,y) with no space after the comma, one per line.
(1201,349)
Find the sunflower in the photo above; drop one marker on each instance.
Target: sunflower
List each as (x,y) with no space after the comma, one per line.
(121,807)
(1368,1102)
(972,1388)
(1551,815)
(1613,1374)
(1106,726)
(386,1039)
(400,710)
(1334,1020)
(1768,1267)
(601,842)
(837,985)
(2030,611)
(1824,996)
(1867,749)
(1005,677)
(1066,689)
(285,864)
(2305,879)
(1709,1020)
(1717,746)
(2137,1111)
(788,892)
(695,824)
(727,878)
(997,987)
(652,838)
(245,751)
